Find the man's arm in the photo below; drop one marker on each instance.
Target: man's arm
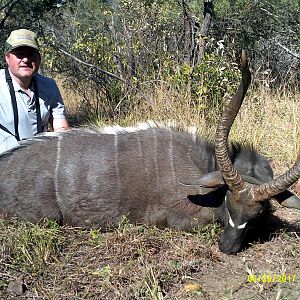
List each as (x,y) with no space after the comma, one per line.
(57,118)
(60,124)
(7,141)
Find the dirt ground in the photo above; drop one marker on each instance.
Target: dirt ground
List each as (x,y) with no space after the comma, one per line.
(230,276)
(140,262)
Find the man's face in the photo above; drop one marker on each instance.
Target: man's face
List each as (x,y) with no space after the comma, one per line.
(23,62)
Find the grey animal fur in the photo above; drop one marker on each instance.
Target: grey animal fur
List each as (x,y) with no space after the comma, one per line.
(86,178)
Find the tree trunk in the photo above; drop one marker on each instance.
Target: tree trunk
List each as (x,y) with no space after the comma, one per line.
(208,12)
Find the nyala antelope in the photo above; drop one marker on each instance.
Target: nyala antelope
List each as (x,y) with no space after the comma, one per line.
(155,176)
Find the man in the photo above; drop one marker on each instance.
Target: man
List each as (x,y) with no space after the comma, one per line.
(27,99)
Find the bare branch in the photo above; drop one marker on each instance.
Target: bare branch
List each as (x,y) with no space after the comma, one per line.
(288,51)
(92,66)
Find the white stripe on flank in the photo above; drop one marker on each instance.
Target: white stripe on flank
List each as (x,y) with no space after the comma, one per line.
(155,156)
(58,154)
(140,151)
(118,183)
(171,151)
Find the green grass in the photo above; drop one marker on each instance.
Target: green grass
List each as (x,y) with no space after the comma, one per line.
(31,247)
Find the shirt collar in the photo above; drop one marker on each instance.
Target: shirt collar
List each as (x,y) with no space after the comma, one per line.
(17,87)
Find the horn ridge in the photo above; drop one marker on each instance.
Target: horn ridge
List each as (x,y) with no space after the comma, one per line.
(278,185)
(229,173)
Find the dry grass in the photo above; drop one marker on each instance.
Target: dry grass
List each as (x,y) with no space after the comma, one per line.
(139,262)
(268,119)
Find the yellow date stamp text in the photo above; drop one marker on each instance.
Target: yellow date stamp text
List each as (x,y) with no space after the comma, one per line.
(272,278)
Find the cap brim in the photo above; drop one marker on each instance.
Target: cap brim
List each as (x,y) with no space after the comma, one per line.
(21,45)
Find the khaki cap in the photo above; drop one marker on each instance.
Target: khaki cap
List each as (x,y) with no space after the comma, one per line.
(19,38)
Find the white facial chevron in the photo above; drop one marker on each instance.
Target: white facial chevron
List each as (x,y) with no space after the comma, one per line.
(242,226)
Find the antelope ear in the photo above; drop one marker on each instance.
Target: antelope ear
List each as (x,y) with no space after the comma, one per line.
(288,199)
(209,180)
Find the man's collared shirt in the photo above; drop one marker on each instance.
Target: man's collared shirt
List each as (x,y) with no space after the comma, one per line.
(50,99)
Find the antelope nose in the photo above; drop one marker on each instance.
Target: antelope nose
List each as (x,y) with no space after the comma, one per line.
(227,249)
(229,245)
